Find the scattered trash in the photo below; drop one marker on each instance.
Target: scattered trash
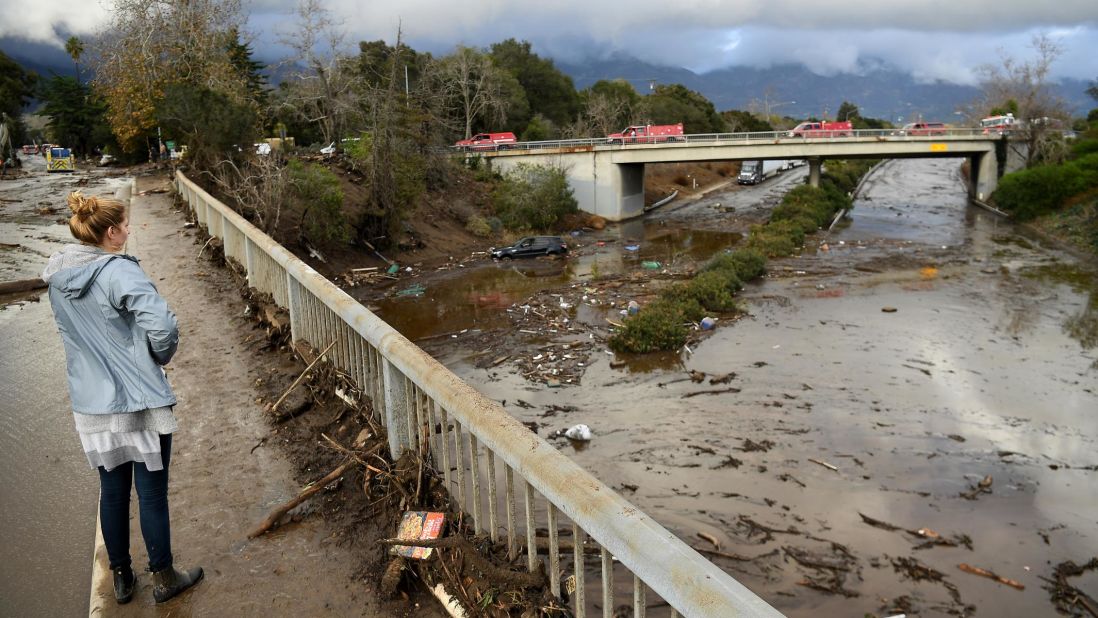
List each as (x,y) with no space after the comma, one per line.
(393,269)
(650,265)
(632,247)
(633,307)
(408,269)
(579,432)
(414,290)
(708,323)
(418,526)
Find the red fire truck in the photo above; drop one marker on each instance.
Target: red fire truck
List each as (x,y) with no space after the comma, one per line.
(487,141)
(999,124)
(823,129)
(648,134)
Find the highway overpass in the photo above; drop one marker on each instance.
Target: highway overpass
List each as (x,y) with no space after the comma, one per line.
(608,179)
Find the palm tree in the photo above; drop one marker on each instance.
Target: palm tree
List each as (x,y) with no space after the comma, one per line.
(75,48)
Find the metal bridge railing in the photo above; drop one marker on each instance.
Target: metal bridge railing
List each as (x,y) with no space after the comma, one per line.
(487,458)
(748,138)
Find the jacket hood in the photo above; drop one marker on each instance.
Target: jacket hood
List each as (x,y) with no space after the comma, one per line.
(74,268)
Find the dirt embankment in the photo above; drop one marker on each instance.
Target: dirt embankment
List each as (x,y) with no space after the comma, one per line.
(434,229)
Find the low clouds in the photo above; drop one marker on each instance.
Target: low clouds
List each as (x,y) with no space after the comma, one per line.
(932,39)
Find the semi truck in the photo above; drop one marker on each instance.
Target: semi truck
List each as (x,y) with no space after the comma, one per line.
(648,134)
(754,172)
(823,129)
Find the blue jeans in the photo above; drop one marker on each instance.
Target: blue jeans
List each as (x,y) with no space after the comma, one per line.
(152,497)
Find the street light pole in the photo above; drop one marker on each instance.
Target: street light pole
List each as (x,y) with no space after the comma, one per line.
(769,105)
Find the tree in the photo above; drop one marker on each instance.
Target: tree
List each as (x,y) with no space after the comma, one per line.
(476,85)
(151,44)
(847,112)
(75,48)
(674,103)
(1025,87)
(248,70)
(77,118)
(1093,90)
(325,91)
(16,90)
(549,91)
(739,121)
(609,105)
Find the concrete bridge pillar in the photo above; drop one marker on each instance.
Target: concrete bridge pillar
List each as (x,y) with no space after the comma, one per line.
(614,191)
(983,175)
(814,164)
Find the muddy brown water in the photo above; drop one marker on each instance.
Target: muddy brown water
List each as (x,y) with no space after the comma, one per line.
(47,514)
(928,346)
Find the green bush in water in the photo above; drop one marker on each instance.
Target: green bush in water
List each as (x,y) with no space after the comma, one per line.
(771,243)
(713,290)
(661,325)
(747,264)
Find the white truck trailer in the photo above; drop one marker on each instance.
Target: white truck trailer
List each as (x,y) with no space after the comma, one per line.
(754,172)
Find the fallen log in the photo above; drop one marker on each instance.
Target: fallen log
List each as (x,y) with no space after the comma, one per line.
(22,285)
(275,515)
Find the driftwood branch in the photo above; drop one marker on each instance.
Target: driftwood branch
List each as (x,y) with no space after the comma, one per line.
(301,377)
(277,513)
(990,575)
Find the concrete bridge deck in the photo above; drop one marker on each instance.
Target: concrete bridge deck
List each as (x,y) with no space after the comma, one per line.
(608,179)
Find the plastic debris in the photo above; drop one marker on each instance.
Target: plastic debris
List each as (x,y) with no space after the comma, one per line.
(414,290)
(393,269)
(632,247)
(579,432)
(650,265)
(708,323)
(633,307)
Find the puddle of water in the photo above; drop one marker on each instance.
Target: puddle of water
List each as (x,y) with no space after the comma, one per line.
(478,297)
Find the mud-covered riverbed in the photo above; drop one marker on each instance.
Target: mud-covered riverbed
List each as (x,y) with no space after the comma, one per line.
(925,365)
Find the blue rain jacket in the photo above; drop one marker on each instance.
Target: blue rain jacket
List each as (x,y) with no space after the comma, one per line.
(117,331)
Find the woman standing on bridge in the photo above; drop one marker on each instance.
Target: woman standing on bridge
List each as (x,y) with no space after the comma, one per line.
(118,333)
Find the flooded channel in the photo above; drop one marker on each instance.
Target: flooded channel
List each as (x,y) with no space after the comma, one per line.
(48,511)
(915,391)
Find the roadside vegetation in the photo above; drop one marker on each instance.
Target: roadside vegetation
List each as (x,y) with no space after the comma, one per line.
(1059,194)
(666,323)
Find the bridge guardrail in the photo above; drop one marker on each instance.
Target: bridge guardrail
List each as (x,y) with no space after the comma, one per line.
(476,437)
(744,138)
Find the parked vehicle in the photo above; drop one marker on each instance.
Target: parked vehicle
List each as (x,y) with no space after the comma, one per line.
(328,150)
(29,149)
(487,141)
(999,124)
(823,129)
(922,128)
(531,246)
(648,134)
(754,172)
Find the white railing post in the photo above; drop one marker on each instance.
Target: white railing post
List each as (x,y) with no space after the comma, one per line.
(396,408)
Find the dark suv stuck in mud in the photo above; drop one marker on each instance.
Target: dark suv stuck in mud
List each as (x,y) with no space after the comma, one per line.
(532,246)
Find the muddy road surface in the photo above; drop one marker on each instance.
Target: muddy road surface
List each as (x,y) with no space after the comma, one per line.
(914,392)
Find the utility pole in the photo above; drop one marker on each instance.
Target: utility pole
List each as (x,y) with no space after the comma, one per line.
(406,80)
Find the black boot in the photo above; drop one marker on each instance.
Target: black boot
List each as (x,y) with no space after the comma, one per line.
(125,581)
(169,582)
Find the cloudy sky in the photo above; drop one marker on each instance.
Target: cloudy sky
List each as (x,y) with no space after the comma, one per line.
(932,39)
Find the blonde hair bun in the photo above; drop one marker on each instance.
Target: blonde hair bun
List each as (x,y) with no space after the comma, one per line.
(81,205)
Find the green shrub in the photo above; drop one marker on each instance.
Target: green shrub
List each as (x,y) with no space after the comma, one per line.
(533,198)
(771,243)
(1030,193)
(478,226)
(316,189)
(713,290)
(747,264)
(659,326)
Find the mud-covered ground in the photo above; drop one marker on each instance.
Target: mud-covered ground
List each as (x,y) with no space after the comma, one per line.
(914,392)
